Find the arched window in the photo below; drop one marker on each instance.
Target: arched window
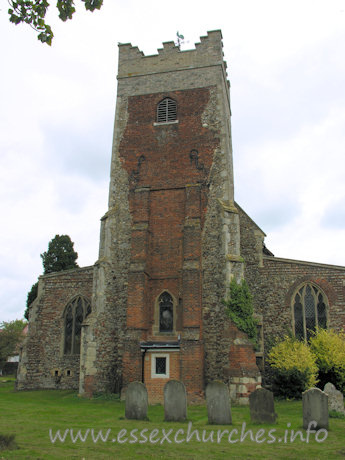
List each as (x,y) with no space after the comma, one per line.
(309,310)
(166,111)
(76,311)
(166,312)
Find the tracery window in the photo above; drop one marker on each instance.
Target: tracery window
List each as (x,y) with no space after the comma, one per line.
(166,111)
(166,312)
(76,311)
(309,311)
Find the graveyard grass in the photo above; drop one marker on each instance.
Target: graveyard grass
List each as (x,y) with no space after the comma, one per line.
(30,414)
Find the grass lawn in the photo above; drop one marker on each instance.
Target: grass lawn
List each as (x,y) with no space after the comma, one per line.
(29,415)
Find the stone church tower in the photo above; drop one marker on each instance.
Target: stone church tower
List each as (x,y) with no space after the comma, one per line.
(151,308)
(170,241)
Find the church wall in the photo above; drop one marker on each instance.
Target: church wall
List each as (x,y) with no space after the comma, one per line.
(154,385)
(273,282)
(43,363)
(279,278)
(104,336)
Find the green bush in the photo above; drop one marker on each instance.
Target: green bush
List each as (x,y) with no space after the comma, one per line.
(294,368)
(290,383)
(240,308)
(329,348)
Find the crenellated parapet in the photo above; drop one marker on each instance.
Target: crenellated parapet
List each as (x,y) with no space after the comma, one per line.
(208,52)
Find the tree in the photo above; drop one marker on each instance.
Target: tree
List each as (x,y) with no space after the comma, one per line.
(33,12)
(60,255)
(32,294)
(11,336)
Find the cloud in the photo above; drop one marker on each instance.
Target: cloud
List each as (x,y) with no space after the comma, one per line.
(334,215)
(79,148)
(299,179)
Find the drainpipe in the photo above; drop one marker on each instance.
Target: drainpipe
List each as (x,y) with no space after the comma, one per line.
(143,353)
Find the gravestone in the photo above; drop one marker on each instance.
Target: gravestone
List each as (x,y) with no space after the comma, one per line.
(261,406)
(175,401)
(335,398)
(315,408)
(218,404)
(136,401)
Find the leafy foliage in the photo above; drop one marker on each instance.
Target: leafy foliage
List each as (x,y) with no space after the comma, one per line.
(298,365)
(240,308)
(60,255)
(11,336)
(32,294)
(329,349)
(290,383)
(33,12)
(294,368)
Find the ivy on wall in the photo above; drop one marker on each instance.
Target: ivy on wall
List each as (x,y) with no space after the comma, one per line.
(239,307)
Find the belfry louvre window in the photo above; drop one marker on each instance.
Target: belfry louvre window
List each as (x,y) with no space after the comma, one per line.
(309,310)
(76,311)
(166,111)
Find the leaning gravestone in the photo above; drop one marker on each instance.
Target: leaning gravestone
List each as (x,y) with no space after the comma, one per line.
(335,398)
(261,406)
(175,401)
(315,408)
(218,404)
(136,401)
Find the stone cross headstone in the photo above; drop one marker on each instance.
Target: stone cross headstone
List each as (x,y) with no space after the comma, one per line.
(175,401)
(261,406)
(136,401)
(335,398)
(315,408)
(218,403)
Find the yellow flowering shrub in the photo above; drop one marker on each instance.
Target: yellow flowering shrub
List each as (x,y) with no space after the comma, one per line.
(329,348)
(294,368)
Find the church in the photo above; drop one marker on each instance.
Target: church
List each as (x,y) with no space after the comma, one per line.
(151,307)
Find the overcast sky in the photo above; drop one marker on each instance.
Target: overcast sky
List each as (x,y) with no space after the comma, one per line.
(286,64)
